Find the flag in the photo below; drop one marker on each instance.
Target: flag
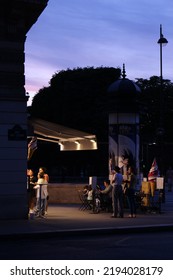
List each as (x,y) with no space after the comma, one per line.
(154,171)
(32,146)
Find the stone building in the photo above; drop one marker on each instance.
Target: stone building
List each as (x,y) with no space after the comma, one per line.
(16,19)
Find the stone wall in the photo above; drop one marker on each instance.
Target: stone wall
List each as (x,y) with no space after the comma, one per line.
(64,193)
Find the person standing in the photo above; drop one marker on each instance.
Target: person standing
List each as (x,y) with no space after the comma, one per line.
(43,170)
(41,195)
(46,177)
(130,191)
(31,191)
(117,194)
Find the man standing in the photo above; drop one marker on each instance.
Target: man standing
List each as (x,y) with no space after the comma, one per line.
(117,194)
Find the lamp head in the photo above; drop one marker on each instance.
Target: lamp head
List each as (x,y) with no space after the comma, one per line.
(162,40)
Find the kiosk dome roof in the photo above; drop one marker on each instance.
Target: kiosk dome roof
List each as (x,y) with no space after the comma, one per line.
(124,87)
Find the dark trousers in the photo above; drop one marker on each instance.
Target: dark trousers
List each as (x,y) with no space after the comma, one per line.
(117,201)
(131,202)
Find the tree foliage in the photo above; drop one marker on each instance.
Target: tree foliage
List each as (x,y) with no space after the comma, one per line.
(156,108)
(77,98)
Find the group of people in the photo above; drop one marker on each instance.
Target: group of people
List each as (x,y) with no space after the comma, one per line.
(38,192)
(112,195)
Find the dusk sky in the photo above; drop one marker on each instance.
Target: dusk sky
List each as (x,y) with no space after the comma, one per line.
(95,33)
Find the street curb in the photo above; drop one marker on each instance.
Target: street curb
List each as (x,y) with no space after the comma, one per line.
(88,232)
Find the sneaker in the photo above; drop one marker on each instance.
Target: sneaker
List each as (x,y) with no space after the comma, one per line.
(113,216)
(134,216)
(43,217)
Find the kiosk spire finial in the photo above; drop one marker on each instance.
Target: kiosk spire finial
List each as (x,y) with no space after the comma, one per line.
(124,72)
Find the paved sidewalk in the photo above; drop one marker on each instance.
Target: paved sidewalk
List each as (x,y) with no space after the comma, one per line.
(68,219)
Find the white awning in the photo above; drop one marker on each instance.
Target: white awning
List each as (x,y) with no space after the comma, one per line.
(69,139)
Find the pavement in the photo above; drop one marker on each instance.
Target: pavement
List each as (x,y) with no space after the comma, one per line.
(64,220)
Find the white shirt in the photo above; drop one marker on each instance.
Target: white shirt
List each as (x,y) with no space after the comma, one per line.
(43,184)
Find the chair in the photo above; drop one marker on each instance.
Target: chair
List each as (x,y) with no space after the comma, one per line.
(85,204)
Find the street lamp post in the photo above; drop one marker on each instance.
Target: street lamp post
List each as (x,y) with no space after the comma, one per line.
(160,131)
(162,42)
